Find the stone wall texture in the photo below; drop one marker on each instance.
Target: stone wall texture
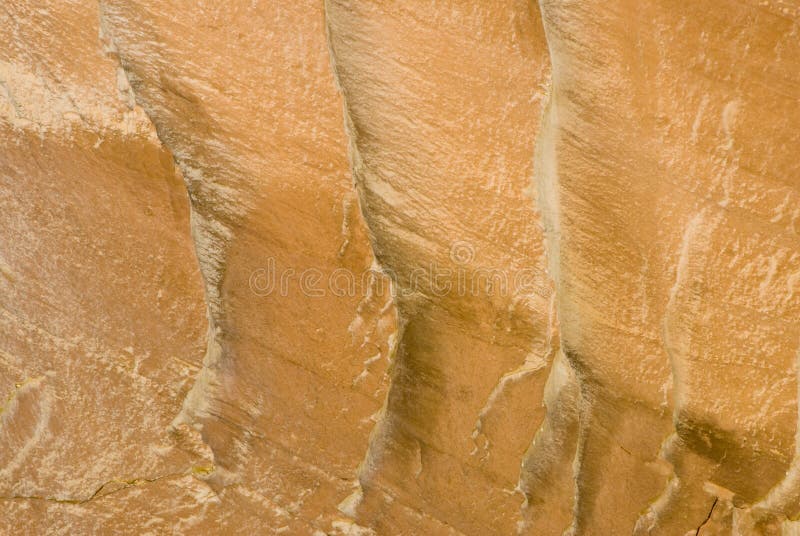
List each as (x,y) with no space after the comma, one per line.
(400,267)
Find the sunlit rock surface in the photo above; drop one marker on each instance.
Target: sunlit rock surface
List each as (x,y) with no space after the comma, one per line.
(347,267)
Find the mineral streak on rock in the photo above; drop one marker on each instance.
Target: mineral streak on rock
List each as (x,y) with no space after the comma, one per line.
(357,267)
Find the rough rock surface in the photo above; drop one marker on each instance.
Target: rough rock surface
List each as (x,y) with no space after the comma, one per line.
(379,267)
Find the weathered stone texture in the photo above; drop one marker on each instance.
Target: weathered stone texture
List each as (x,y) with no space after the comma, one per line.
(399,267)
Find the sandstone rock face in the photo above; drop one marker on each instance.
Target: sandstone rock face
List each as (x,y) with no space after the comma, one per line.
(350,267)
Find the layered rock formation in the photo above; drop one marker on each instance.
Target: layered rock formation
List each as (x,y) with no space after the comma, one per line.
(352,267)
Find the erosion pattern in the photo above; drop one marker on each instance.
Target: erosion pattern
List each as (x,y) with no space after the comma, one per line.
(356,267)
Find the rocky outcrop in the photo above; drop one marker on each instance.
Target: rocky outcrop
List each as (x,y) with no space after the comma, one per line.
(352,267)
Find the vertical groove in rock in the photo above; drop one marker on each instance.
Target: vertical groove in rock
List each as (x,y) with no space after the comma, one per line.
(273,226)
(604,413)
(378,435)
(546,476)
(101,312)
(198,405)
(380,439)
(676,502)
(663,313)
(455,437)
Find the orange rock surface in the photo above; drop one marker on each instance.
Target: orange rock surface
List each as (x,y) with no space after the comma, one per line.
(347,267)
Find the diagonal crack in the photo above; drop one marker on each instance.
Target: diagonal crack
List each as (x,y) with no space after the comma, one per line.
(98,493)
(708,517)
